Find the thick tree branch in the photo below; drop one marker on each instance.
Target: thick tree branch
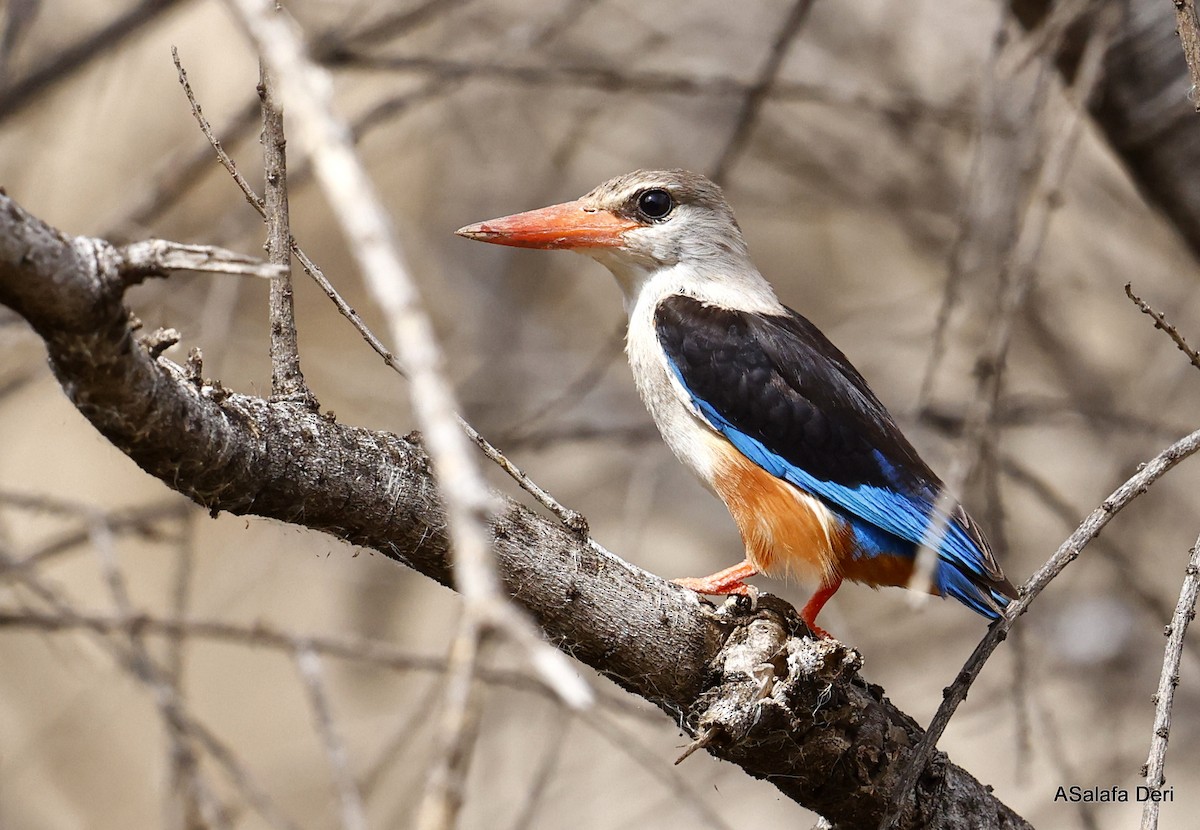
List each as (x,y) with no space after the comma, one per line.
(1141,103)
(747,683)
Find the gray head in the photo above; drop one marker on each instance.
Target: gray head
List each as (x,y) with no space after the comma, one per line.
(636,225)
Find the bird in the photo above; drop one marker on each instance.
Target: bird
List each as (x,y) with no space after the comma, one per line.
(760,405)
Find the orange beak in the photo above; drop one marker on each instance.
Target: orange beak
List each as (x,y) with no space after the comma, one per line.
(567,226)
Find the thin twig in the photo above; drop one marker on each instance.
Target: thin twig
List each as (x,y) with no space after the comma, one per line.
(1091,526)
(353,813)
(1164,698)
(1128,572)
(1160,322)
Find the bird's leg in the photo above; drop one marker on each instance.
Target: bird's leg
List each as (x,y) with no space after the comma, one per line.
(814,606)
(728,581)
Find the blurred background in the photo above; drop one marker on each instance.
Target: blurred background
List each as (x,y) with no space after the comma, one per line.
(898,170)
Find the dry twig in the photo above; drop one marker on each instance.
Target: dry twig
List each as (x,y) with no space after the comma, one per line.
(1164,698)
(1160,322)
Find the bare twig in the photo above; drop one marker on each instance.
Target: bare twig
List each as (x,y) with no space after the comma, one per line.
(956,693)
(287,380)
(206,128)
(353,813)
(1189,36)
(1130,575)
(1164,698)
(1160,322)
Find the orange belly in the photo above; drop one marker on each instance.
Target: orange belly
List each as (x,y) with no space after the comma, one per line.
(787,532)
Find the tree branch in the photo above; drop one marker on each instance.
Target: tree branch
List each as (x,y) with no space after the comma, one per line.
(246,455)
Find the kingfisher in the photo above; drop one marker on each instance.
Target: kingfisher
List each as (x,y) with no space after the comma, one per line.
(759,404)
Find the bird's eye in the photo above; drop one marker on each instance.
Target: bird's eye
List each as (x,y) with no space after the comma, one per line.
(655,204)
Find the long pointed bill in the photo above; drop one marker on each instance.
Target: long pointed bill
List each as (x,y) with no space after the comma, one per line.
(566,226)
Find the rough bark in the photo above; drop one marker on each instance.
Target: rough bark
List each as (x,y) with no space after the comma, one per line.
(757,690)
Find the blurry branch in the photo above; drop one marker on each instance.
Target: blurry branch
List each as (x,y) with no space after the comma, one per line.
(391,25)
(367,651)
(989,207)
(1027,410)
(1141,103)
(756,95)
(183,170)
(530,426)
(353,812)
(15,20)
(246,455)
(185,728)
(608,79)
(1160,322)
(1164,698)
(1016,280)
(64,62)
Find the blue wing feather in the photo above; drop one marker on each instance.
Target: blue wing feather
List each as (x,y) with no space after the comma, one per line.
(827,434)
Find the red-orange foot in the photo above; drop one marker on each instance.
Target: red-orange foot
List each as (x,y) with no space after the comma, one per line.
(814,606)
(728,581)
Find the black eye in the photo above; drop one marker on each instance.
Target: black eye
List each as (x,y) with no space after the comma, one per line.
(655,204)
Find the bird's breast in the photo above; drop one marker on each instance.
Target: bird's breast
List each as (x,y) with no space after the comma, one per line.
(683,430)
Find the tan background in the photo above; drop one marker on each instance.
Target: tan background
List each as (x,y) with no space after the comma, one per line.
(849,207)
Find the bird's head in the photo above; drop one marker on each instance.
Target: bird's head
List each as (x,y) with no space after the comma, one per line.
(635,225)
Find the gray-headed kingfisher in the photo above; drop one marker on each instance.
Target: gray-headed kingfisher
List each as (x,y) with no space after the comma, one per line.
(758,403)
